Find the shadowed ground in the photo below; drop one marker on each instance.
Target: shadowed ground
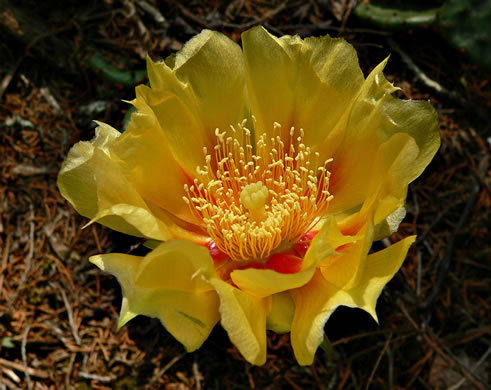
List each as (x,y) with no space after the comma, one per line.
(60,68)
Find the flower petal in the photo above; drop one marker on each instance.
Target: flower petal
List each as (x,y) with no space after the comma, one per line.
(199,89)
(317,300)
(387,193)
(177,265)
(188,316)
(314,304)
(265,282)
(243,316)
(94,181)
(345,269)
(156,175)
(395,158)
(380,268)
(167,284)
(351,170)
(375,118)
(180,124)
(125,315)
(282,310)
(213,65)
(124,267)
(326,241)
(307,83)
(390,224)
(337,272)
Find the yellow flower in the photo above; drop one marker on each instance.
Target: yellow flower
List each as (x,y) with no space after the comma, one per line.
(264,174)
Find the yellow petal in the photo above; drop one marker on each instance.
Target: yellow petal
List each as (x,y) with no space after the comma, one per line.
(96,181)
(375,118)
(213,65)
(76,180)
(395,158)
(93,180)
(170,287)
(181,127)
(352,168)
(167,284)
(282,310)
(317,300)
(296,82)
(243,316)
(188,316)
(199,89)
(345,269)
(156,175)
(325,242)
(265,282)
(390,224)
(419,120)
(176,265)
(125,315)
(387,193)
(123,267)
(314,304)
(379,270)
(351,171)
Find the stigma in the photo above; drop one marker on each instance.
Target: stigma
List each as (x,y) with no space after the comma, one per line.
(255,198)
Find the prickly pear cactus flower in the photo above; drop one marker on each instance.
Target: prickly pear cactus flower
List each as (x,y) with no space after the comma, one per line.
(261,176)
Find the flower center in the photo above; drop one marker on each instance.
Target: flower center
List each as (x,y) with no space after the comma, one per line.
(254,200)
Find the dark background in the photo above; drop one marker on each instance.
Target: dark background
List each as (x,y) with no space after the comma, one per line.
(63,66)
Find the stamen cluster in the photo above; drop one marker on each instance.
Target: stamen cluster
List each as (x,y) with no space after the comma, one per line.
(254,198)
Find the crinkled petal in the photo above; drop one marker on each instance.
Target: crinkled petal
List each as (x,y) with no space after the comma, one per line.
(94,180)
(345,268)
(199,89)
(188,316)
(243,316)
(282,310)
(155,173)
(317,300)
(387,192)
(375,118)
(265,282)
(221,96)
(180,124)
(176,265)
(314,304)
(326,241)
(123,267)
(379,270)
(308,84)
(395,158)
(167,284)
(390,224)
(125,315)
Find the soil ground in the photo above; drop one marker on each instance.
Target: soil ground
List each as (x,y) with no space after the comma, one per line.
(58,313)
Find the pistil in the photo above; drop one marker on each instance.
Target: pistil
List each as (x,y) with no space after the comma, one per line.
(253,197)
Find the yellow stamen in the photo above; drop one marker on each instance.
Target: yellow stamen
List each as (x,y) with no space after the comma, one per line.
(251,203)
